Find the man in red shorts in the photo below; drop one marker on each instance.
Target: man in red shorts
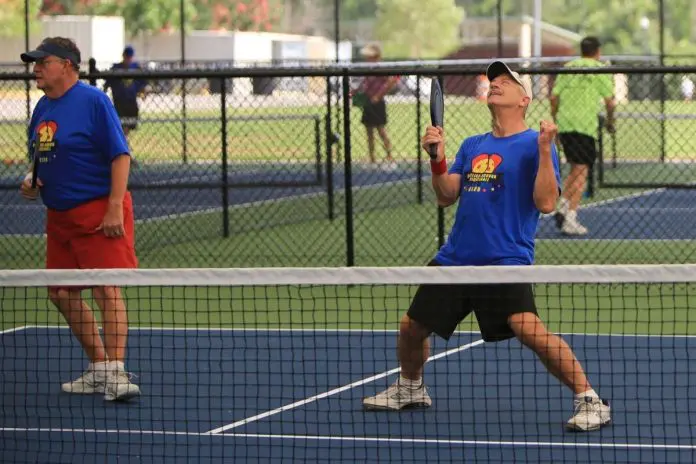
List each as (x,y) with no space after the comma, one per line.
(83,165)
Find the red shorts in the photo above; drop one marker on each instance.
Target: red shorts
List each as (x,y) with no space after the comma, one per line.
(72,241)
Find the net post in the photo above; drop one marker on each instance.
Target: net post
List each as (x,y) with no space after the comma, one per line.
(419,154)
(329,149)
(225,180)
(348,175)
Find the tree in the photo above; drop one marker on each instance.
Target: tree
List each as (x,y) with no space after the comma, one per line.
(147,16)
(12,17)
(419,30)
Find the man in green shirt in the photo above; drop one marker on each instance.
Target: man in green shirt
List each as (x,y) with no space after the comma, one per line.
(575,103)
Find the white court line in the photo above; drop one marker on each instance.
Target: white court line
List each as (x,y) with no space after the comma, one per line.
(14,329)
(649,240)
(252,204)
(361,187)
(422,441)
(327,330)
(609,201)
(334,391)
(438,441)
(246,205)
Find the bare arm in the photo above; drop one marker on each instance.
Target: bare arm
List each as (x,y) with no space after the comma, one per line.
(447,186)
(610,104)
(554,107)
(545,186)
(386,88)
(120,168)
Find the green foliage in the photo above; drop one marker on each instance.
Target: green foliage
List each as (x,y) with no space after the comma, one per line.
(419,30)
(149,16)
(12,17)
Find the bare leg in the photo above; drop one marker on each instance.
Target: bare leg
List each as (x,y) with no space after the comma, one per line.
(80,318)
(382,131)
(551,349)
(414,348)
(371,143)
(574,185)
(115,319)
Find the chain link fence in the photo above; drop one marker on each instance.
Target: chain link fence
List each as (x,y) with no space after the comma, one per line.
(240,167)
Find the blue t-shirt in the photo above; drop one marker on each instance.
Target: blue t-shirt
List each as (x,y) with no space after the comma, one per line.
(125,90)
(79,135)
(496,218)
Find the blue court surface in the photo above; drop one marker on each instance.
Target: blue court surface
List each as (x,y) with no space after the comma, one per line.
(657,214)
(291,181)
(214,395)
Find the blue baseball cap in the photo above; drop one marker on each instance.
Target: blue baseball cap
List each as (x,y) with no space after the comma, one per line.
(129,51)
(50,49)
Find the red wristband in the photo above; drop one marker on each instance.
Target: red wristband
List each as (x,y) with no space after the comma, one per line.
(438,167)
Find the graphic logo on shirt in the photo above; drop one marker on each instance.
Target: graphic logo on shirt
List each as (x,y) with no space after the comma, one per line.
(46,134)
(483,176)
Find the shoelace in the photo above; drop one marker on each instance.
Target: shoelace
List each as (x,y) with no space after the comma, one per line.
(588,408)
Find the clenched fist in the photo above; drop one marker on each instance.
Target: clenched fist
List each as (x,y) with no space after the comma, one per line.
(434,136)
(26,190)
(547,132)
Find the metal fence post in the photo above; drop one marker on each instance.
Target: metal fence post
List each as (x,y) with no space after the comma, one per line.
(329,150)
(225,180)
(348,175)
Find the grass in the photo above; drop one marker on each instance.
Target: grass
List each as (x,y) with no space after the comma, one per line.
(275,140)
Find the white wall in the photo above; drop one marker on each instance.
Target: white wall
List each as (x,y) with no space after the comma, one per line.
(98,37)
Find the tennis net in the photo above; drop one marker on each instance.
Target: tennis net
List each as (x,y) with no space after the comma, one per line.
(273,365)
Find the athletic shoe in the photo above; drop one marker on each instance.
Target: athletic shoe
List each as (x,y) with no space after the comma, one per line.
(92,381)
(571,226)
(398,397)
(590,414)
(119,386)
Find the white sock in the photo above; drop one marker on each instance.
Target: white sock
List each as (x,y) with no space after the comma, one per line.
(99,368)
(563,206)
(115,366)
(413,384)
(590,393)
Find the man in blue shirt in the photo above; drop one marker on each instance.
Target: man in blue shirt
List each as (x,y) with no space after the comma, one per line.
(125,92)
(503,179)
(83,164)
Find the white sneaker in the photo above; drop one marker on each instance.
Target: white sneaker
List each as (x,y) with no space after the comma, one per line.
(590,414)
(398,397)
(571,226)
(119,386)
(390,166)
(561,212)
(93,380)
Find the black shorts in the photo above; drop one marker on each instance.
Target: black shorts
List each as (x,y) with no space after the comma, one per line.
(578,148)
(374,114)
(128,112)
(441,308)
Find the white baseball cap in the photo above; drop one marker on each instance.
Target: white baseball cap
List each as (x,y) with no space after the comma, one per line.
(497,68)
